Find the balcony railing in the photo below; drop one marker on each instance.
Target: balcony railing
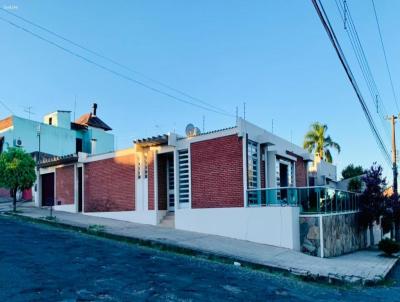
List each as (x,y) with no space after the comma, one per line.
(311,200)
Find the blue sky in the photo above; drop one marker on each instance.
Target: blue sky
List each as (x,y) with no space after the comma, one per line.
(273,55)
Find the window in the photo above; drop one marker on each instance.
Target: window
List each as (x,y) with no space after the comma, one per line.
(50,121)
(284,177)
(183,162)
(146,166)
(252,171)
(139,168)
(252,165)
(78,145)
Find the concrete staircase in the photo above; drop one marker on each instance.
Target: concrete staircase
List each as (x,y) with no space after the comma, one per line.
(168,221)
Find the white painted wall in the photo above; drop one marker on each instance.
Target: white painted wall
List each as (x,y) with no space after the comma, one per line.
(145,217)
(65,208)
(278,226)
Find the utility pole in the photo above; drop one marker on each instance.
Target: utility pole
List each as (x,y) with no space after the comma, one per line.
(392,119)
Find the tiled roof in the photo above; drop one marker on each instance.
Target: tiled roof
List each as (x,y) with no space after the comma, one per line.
(57,160)
(75,126)
(6,123)
(91,120)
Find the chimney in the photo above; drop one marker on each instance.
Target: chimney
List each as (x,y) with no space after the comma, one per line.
(94,109)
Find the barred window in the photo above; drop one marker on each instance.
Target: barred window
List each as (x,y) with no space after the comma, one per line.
(139,168)
(183,161)
(146,165)
(252,171)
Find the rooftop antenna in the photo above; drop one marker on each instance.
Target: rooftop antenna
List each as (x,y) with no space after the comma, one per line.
(75,108)
(237,113)
(244,110)
(204,122)
(29,111)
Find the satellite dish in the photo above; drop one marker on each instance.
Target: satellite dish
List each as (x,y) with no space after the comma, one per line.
(196,131)
(189,130)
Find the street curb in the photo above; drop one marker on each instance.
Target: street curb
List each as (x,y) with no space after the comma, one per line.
(304,275)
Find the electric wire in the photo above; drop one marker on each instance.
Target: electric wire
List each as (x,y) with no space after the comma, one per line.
(110,60)
(110,70)
(332,37)
(5,106)
(385,56)
(364,65)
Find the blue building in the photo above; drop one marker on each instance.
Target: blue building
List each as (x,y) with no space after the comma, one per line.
(57,135)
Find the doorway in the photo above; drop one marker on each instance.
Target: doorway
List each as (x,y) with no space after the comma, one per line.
(170,184)
(80,189)
(166,182)
(47,189)
(284,180)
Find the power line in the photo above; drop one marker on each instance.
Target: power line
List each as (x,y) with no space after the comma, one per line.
(362,60)
(119,74)
(110,60)
(384,54)
(332,37)
(7,108)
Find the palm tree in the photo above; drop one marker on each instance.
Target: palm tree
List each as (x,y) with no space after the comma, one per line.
(316,140)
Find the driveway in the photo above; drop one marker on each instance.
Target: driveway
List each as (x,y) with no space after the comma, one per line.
(42,263)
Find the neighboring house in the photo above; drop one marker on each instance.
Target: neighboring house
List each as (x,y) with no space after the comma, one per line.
(241,182)
(322,173)
(57,135)
(343,184)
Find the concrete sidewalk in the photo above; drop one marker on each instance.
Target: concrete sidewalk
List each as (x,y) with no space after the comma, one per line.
(365,267)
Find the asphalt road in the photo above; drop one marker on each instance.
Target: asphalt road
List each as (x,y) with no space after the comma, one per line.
(42,263)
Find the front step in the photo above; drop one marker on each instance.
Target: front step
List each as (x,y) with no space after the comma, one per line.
(168,221)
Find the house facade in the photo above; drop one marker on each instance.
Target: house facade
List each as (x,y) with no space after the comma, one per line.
(241,182)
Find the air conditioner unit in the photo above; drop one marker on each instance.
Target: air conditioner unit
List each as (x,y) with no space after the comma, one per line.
(18,142)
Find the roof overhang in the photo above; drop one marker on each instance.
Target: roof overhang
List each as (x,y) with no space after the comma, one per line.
(152,141)
(58,160)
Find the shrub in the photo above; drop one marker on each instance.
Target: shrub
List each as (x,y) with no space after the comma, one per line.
(389,246)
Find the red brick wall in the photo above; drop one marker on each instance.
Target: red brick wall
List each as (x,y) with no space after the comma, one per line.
(301,170)
(217,173)
(150,177)
(65,185)
(162,181)
(109,184)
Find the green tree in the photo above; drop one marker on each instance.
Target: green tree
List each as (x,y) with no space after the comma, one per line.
(17,171)
(373,199)
(318,142)
(353,172)
(354,185)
